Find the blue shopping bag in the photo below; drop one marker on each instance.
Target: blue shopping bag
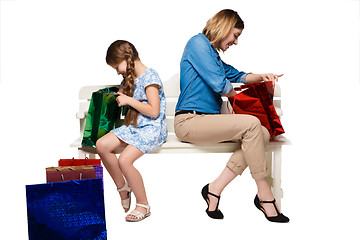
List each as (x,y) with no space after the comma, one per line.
(70,210)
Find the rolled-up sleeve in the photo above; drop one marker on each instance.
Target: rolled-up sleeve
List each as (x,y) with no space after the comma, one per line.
(233,75)
(228,87)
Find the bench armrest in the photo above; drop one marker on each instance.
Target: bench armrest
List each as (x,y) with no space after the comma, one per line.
(81,115)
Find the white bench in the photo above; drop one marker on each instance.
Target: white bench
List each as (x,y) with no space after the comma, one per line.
(173,145)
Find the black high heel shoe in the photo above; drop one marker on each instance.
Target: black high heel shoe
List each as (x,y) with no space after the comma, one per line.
(280,218)
(216,214)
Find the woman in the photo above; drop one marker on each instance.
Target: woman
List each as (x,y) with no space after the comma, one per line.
(204,78)
(144,129)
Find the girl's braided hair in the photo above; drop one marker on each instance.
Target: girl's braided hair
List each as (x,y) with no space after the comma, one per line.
(117,52)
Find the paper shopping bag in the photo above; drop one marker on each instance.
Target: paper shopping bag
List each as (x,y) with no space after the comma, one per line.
(66,210)
(60,174)
(257,100)
(96,163)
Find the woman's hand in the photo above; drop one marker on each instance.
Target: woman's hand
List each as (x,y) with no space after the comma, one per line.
(270,77)
(255,78)
(122,99)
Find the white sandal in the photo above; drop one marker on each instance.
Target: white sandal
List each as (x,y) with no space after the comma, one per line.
(138,215)
(126,202)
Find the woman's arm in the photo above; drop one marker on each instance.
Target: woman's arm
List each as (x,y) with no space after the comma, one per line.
(150,109)
(231,93)
(255,78)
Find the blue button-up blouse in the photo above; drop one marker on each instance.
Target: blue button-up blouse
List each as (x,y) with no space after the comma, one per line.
(204,77)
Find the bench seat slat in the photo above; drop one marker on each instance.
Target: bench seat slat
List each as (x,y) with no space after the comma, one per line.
(174,144)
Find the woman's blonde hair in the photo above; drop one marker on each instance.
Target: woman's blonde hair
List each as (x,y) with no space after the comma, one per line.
(220,25)
(117,52)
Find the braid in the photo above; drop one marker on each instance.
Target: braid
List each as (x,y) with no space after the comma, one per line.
(130,76)
(132,114)
(119,51)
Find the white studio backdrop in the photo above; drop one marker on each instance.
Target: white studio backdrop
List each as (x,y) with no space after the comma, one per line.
(50,49)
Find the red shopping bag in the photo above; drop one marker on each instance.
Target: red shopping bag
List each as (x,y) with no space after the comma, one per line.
(257,100)
(78,162)
(96,163)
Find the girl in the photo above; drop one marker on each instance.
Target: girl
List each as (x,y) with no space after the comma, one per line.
(144,129)
(204,78)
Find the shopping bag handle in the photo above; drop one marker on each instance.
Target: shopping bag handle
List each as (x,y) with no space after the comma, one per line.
(63,179)
(227,106)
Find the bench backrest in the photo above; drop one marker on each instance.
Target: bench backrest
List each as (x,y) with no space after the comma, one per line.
(172,91)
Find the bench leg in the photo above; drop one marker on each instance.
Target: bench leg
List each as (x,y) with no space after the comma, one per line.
(82,154)
(276,183)
(269,162)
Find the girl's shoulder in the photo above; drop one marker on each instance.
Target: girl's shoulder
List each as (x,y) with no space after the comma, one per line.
(151,76)
(151,71)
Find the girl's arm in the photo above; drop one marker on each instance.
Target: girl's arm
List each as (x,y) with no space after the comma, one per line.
(150,109)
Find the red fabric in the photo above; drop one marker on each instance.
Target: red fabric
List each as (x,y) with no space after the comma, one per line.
(257,100)
(78,162)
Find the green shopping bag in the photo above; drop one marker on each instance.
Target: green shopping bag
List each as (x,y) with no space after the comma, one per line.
(104,114)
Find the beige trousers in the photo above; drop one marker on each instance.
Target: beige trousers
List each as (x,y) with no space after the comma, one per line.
(242,128)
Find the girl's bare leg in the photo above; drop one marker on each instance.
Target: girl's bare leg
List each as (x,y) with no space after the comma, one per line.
(133,176)
(105,147)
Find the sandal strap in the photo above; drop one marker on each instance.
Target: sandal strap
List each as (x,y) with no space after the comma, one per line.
(125,203)
(147,207)
(218,197)
(273,202)
(137,214)
(125,187)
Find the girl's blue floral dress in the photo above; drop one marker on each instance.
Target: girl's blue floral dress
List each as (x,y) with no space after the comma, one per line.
(150,133)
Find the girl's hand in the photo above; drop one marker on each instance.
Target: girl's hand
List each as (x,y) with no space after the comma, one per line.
(122,99)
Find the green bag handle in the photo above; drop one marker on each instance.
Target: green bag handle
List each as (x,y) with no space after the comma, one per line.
(98,101)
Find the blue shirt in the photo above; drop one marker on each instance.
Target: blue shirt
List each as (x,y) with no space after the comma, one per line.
(204,77)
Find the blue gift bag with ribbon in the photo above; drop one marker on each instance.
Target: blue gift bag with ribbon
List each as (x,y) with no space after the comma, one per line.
(66,210)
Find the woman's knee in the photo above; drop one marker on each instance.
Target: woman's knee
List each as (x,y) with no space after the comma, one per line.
(266,135)
(252,123)
(255,122)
